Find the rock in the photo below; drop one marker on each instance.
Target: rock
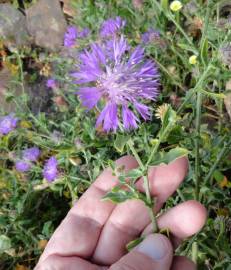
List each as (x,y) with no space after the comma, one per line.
(7,88)
(13,26)
(46,24)
(40,97)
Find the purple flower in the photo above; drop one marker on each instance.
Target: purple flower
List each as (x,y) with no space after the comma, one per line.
(122,81)
(31,154)
(51,83)
(84,33)
(22,166)
(70,36)
(150,35)
(50,170)
(7,124)
(111,27)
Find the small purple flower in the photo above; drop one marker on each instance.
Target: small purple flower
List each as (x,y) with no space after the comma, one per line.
(111,27)
(31,154)
(70,36)
(50,170)
(150,35)
(22,166)
(7,124)
(84,33)
(122,81)
(51,83)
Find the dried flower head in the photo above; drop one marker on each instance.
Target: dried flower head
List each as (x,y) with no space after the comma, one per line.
(225,54)
(150,36)
(7,124)
(112,27)
(108,73)
(161,111)
(50,171)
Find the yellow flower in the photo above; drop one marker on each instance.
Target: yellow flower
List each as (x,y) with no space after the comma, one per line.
(193,60)
(176,5)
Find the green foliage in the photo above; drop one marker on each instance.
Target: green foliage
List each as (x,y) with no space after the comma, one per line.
(31,209)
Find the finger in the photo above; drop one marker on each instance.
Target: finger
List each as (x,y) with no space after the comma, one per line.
(63,263)
(183,220)
(79,232)
(129,219)
(182,263)
(154,253)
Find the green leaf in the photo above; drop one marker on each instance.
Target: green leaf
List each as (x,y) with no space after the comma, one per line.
(170,156)
(5,243)
(134,174)
(218,176)
(120,142)
(168,123)
(134,243)
(119,196)
(164,4)
(204,51)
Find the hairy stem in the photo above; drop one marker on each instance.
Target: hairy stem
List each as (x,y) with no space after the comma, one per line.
(197,145)
(146,186)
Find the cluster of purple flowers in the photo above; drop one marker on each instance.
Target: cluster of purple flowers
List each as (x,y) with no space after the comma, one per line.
(31,155)
(72,34)
(122,80)
(112,27)
(7,124)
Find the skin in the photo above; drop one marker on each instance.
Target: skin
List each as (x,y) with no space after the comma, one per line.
(94,233)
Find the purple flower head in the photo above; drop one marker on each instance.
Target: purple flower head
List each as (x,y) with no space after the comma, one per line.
(111,27)
(150,35)
(50,170)
(84,33)
(31,154)
(7,124)
(22,166)
(70,36)
(122,81)
(51,83)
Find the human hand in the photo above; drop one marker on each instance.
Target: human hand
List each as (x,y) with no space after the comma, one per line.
(94,233)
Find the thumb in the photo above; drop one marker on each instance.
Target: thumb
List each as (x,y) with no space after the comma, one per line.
(154,253)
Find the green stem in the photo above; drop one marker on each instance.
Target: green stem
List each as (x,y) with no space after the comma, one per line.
(156,147)
(218,160)
(194,90)
(197,145)
(171,18)
(135,154)
(146,186)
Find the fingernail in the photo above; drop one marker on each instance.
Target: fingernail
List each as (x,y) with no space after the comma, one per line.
(155,246)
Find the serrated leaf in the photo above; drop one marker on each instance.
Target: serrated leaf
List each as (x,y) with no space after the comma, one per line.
(170,156)
(5,243)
